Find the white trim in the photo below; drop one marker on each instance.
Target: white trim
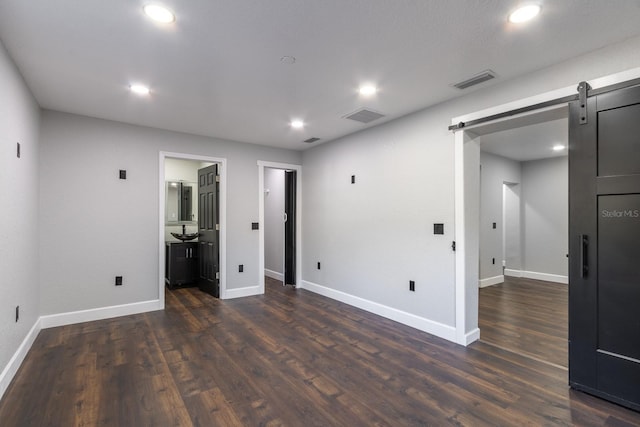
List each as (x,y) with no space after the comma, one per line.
(471,336)
(18,357)
(161,230)
(244,292)
(490,281)
(459,232)
(286,166)
(512,273)
(62,319)
(435,328)
(547,277)
(222,170)
(273,274)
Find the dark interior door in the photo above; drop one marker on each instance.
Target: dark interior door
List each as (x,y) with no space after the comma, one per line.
(290,228)
(604,227)
(208,229)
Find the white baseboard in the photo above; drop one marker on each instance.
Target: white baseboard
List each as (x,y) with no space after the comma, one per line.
(490,281)
(557,278)
(512,273)
(70,318)
(18,357)
(273,274)
(243,292)
(62,319)
(435,328)
(471,337)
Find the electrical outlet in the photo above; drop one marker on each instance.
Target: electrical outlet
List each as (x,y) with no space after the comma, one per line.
(241,268)
(118,280)
(412,285)
(494,225)
(123,174)
(353,179)
(17,313)
(318,265)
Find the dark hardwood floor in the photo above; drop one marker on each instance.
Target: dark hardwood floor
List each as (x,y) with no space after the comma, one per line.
(289,357)
(526,316)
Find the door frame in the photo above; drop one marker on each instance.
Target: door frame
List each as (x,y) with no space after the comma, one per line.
(285,166)
(222,171)
(466,208)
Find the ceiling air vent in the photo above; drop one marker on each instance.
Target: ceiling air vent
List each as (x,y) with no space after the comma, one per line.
(364,116)
(476,80)
(310,140)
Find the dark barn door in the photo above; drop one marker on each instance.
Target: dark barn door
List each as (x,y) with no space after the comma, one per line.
(604,228)
(208,229)
(290,228)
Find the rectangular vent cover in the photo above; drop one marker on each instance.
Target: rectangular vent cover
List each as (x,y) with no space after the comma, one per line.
(310,140)
(364,116)
(476,80)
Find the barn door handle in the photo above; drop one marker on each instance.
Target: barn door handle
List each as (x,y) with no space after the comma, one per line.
(285,217)
(584,255)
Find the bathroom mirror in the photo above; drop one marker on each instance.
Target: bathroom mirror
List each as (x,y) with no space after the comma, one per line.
(180,202)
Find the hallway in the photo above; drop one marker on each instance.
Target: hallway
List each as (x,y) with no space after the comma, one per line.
(528,317)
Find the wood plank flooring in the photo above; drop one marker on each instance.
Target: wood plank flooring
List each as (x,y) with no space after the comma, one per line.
(288,358)
(527,316)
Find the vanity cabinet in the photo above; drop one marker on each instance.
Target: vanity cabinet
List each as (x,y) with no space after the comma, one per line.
(181,264)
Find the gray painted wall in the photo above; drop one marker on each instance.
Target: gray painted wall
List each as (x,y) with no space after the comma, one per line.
(114,223)
(376,235)
(539,222)
(273,220)
(496,170)
(19,120)
(545,215)
(373,236)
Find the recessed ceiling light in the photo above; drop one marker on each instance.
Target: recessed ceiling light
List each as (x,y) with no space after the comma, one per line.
(368,90)
(558,147)
(159,13)
(297,124)
(139,89)
(524,13)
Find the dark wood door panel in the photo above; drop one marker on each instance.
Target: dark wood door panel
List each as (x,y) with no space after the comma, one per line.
(209,236)
(604,226)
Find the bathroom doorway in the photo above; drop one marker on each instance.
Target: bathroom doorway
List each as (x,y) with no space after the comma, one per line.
(178,219)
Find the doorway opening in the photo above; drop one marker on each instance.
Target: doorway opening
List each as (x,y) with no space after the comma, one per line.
(280,218)
(523,245)
(192,223)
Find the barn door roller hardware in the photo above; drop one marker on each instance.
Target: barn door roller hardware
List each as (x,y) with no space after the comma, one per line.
(583,89)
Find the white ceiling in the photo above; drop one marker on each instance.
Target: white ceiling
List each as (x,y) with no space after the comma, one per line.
(217,71)
(528,137)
